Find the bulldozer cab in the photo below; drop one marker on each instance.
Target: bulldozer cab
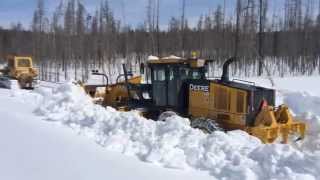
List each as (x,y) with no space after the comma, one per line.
(169,77)
(20,62)
(21,69)
(17,63)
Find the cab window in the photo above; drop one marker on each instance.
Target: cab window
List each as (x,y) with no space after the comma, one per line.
(24,63)
(172,75)
(195,74)
(159,75)
(184,73)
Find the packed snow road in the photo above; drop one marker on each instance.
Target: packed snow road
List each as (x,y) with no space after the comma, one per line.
(171,144)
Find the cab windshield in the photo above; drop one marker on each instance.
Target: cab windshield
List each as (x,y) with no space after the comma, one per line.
(190,73)
(23,63)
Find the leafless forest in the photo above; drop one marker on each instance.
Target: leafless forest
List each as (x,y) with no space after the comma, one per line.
(72,41)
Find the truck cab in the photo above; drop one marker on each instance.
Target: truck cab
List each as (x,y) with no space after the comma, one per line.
(180,85)
(21,69)
(19,65)
(170,81)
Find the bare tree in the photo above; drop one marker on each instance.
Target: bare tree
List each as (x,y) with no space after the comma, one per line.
(74,38)
(183,28)
(151,24)
(262,22)
(158,28)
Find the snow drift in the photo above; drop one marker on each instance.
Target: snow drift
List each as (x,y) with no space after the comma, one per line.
(307,108)
(302,102)
(174,144)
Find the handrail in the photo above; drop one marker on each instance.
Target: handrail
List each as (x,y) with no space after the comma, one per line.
(95,72)
(250,82)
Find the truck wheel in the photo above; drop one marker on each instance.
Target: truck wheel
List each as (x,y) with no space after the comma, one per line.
(206,125)
(163,116)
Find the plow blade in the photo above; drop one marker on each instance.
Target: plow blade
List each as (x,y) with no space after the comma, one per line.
(282,131)
(272,124)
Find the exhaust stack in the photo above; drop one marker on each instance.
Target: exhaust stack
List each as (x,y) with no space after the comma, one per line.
(225,73)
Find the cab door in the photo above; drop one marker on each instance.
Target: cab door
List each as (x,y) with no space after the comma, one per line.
(11,67)
(173,86)
(159,86)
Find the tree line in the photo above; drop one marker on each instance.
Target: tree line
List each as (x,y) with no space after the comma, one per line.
(73,39)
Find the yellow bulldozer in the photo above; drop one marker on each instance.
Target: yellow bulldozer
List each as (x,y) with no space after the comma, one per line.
(20,68)
(180,85)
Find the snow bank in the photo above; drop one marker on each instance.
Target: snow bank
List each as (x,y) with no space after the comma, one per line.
(173,143)
(301,102)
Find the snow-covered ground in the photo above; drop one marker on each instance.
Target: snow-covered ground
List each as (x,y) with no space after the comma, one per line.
(61,134)
(33,149)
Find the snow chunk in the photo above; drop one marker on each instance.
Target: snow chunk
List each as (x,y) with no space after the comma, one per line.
(153,58)
(172,57)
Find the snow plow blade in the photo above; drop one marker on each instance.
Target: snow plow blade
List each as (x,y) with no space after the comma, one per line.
(273,124)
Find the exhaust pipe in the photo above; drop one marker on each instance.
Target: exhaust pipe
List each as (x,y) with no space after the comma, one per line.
(126,79)
(225,73)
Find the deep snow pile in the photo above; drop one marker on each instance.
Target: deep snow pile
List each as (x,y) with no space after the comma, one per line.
(307,108)
(174,144)
(301,102)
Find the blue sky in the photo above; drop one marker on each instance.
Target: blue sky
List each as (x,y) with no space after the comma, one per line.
(135,10)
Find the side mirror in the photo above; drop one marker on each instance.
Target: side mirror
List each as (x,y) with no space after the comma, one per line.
(94,71)
(142,68)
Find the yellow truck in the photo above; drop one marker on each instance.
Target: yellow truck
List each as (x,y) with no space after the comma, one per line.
(20,68)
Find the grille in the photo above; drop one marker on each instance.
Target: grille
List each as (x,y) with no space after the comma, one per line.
(221,98)
(240,102)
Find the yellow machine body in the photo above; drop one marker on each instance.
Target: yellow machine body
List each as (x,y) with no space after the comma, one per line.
(224,104)
(228,107)
(114,95)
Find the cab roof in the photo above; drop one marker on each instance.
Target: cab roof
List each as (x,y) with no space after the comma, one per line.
(19,57)
(193,62)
